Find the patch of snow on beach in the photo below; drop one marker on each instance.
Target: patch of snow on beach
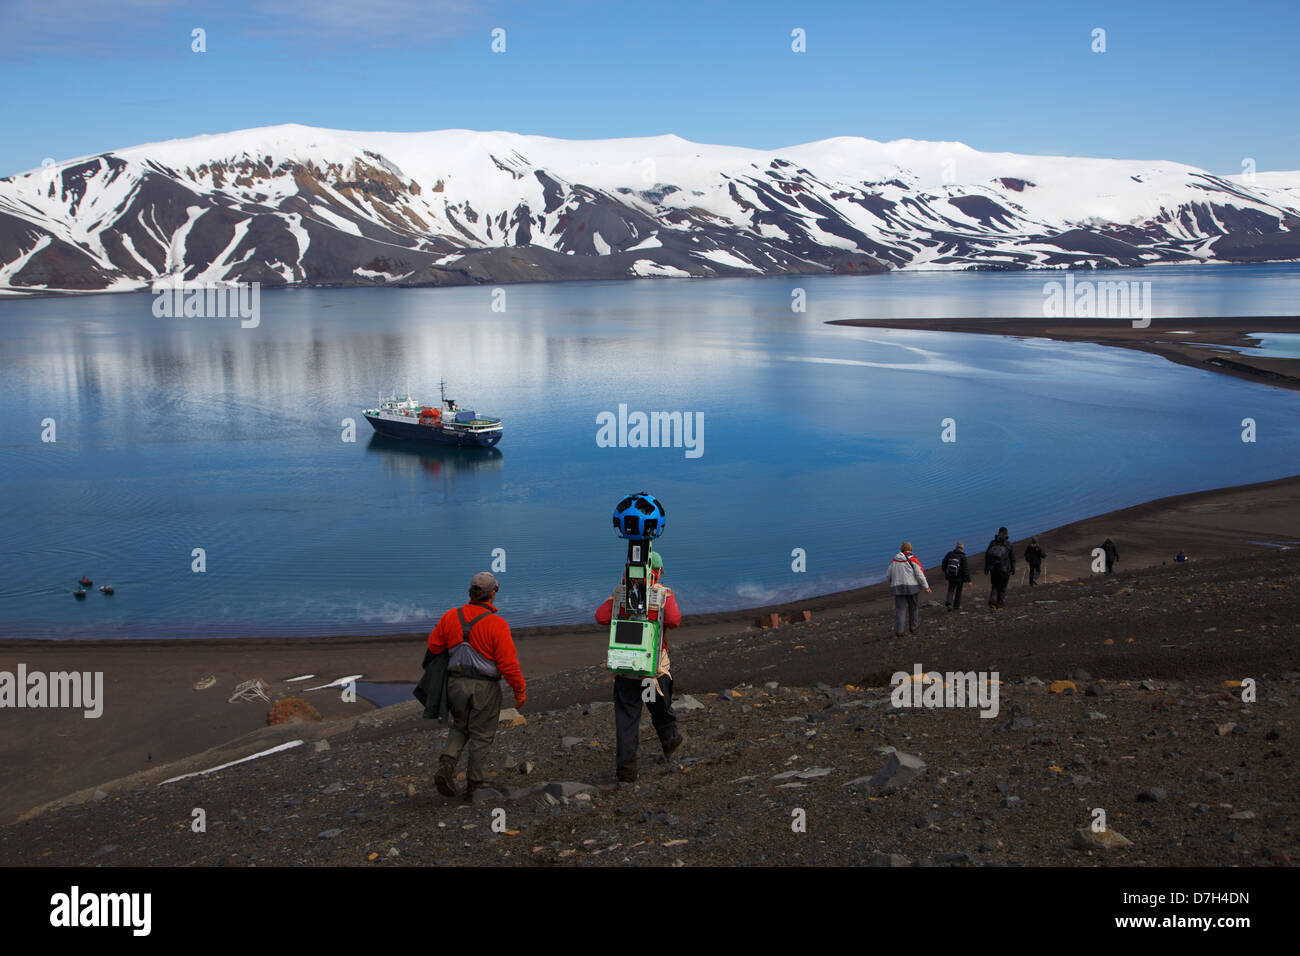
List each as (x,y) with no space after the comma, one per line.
(336,683)
(261,753)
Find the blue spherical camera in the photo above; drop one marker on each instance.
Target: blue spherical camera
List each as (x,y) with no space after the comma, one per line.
(639,516)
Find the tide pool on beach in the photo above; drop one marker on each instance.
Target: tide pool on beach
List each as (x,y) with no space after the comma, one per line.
(1275,344)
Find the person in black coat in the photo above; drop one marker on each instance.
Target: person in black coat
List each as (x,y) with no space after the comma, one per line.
(1000,566)
(1034,558)
(957,571)
(1112,554)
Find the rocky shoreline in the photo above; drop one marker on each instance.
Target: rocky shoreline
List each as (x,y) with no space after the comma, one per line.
(1117,692)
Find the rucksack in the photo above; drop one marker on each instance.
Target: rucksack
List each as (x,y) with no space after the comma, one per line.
(473,655)
(999,554)
(953,568)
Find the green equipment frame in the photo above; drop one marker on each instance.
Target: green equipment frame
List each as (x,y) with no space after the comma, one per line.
(634,648)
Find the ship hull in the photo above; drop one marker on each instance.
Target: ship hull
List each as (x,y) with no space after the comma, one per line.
(431,434)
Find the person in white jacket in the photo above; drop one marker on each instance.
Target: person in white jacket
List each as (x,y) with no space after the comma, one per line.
(906,579)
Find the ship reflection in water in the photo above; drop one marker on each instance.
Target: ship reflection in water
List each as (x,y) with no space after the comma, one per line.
(435,460)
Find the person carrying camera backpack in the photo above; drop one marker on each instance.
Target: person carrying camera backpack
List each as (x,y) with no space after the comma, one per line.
(957,571)
(999,565)
(631,692)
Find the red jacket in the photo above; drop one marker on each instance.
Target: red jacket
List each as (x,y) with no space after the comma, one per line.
(490,637)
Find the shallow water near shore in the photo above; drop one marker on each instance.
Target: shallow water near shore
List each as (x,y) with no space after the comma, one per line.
(174,435)
(385,695)
(1273,345)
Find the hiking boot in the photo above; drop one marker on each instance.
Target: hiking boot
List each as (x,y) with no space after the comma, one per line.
(445,778)
(471,786)
(627,773)
(671,745)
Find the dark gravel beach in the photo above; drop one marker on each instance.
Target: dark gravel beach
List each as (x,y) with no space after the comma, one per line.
(799,719)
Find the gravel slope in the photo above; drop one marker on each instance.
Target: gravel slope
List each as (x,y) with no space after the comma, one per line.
(1182,767)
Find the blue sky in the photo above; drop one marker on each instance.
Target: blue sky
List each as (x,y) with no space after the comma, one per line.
(1202,83)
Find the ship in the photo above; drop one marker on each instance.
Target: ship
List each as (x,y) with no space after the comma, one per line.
(450,424)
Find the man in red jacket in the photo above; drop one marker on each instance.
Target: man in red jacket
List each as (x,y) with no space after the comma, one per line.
(631,692)
(480,653)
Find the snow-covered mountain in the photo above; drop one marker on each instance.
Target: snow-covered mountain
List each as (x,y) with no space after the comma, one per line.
(290,205)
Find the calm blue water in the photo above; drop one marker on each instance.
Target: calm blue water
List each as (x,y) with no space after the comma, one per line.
(196,433)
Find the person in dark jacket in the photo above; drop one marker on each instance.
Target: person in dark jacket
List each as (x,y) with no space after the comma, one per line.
(1034,558)
(957,570)
(999,565)
(1111,552)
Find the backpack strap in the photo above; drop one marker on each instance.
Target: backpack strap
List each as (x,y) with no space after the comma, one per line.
(467,626)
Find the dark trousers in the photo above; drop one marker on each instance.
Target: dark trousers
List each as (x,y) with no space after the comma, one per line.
(627,715)
(1110,564)
(1034,571)
(907,610)
(475,706)
(954,594)
(998,591)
